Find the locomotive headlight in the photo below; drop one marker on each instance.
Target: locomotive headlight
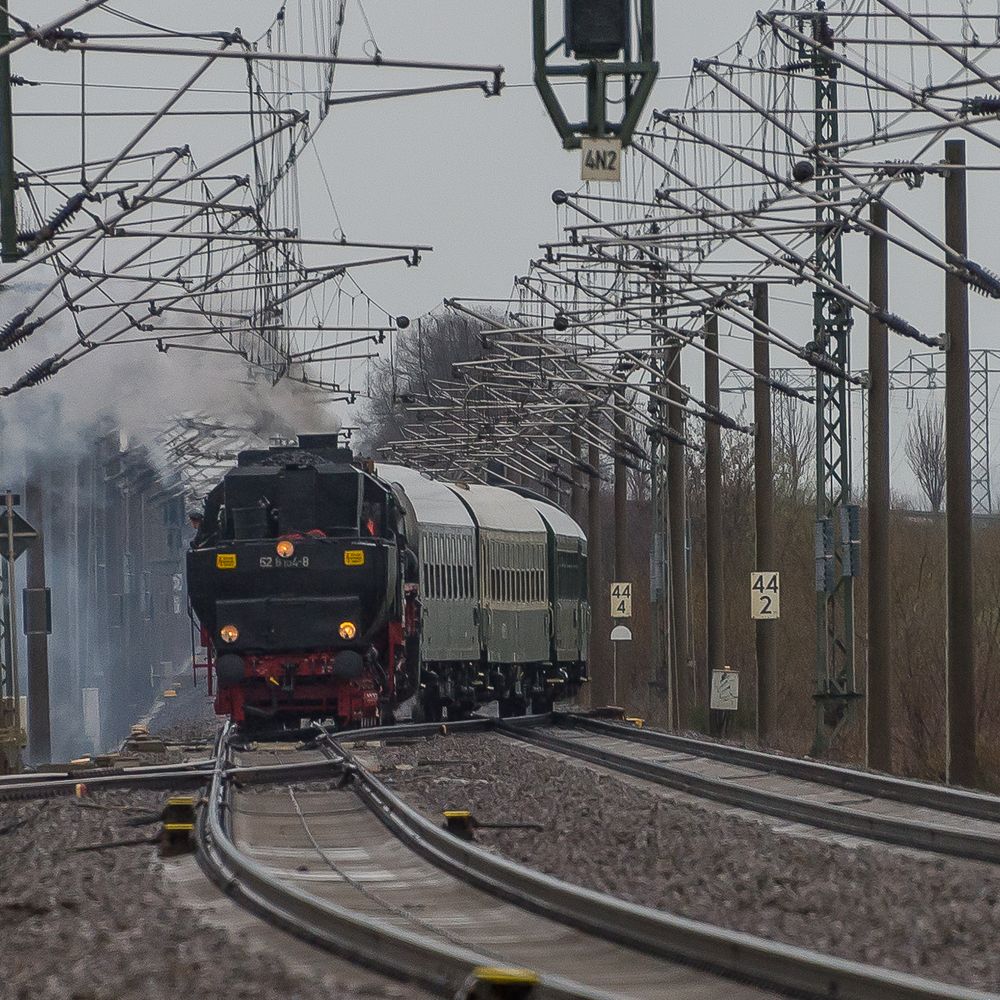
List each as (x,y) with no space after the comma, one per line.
(229,633)
(348,630)
(285,549)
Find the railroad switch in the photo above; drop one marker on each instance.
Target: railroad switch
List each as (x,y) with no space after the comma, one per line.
(499,984)
(177,831)
(463,824)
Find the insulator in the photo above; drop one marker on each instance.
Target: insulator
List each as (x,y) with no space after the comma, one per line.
(981,279)
(898,325)
(16,331)
(34,376)
(981,105)
(722,420)
(11,333)
(823,363)
(797,67)
(57,222)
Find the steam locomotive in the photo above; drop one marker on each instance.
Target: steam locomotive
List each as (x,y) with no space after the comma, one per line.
(330,588)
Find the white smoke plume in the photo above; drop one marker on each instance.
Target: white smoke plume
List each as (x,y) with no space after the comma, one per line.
(141,391)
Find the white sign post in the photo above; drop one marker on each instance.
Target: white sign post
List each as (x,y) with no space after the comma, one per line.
(765,596)
(620,633)
(725,690)
(601,160)
(621,600)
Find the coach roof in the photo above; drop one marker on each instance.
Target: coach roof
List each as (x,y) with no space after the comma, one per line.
(432,502)
(558,520)
(500,510)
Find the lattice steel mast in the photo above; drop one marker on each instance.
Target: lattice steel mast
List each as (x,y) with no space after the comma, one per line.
(835,515)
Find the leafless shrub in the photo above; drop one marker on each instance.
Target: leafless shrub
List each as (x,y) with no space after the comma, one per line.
(925,454)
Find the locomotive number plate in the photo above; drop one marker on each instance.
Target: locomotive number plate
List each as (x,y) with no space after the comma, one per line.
(225,560)
(354,557)
(276,562)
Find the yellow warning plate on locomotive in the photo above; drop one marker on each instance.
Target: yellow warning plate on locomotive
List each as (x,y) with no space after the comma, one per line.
(354,557)
(225,560)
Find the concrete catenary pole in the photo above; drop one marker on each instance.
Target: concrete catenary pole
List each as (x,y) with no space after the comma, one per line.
(879,687)
(677,501)
(763,508)
(39,724)
(621,490)
(962,768)
(715,595)
(577,493)
(595,587)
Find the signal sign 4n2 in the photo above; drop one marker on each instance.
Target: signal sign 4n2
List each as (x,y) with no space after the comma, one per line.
(601,160)
(621,600)
(765,596)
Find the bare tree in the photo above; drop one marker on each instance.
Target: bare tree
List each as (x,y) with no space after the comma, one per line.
(794,448)
(925,454)
(421,355)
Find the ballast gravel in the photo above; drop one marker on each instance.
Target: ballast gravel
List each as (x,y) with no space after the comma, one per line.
(105,925)
(928,916)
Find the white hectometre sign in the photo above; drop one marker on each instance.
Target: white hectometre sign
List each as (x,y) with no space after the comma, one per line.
(601,160)
(765,596)
(621,600)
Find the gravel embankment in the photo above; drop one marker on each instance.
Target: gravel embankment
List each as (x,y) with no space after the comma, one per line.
(107,925)
(933,917)
(104,925)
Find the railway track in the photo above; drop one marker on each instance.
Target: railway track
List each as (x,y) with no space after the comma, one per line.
(373,894)
(349,866)
(357,871)
(877,807)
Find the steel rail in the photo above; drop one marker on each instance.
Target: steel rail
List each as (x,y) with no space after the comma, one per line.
(185,775)
(53,786)
(959,801)
(58,773)
(440,968)
(774,965)
(840,819)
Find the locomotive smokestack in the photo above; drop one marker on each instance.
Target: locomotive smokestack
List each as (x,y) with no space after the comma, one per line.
(319,442)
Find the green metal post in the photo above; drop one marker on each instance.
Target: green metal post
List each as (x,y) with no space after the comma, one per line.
(8,181)
(835,674)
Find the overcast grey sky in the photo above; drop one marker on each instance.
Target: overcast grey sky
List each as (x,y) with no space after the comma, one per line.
(470,176)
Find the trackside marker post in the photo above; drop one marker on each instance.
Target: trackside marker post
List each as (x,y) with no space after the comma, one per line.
(620,633)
